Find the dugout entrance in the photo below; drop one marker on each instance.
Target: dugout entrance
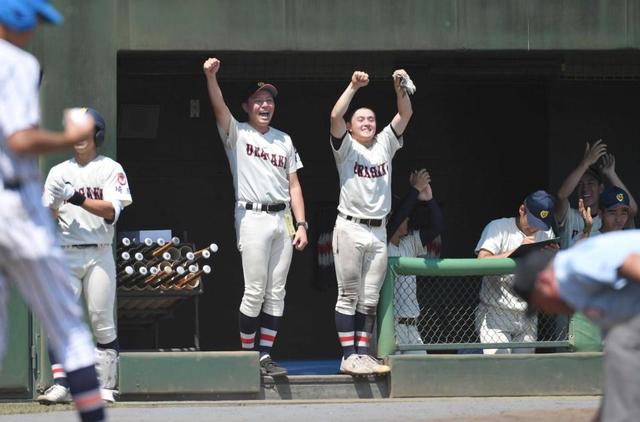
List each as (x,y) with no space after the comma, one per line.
(475,119)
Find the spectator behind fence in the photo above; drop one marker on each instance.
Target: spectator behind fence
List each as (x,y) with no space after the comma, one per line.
(587,179)
(500,317)
(414,229)
(599,277)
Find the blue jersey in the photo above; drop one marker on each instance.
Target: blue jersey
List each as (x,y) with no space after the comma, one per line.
(588,278)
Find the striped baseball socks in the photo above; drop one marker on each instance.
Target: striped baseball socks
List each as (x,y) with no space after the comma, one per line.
(364,327)
(59,376)
(268,331)
(248,327)
(85,391)
(345,325)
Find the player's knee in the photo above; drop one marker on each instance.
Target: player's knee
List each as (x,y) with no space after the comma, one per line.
(347,303)
(367,309)
(251,304)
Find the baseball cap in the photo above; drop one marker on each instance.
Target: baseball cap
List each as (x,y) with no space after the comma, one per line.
(259,86)
(614,197)
(46,11)
(527,272)
(539,206)
(21,15)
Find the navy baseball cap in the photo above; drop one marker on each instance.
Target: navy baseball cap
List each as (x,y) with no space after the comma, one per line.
(259,86)
(614,197)
(21,15)
(539,206)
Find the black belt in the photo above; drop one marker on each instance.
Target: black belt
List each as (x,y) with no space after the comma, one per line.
(265,207)
(407,321)
(371,222)
(89,245)
(12,185)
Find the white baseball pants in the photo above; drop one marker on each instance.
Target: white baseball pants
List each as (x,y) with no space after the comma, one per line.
(360,257)
(31,259)
(265,246)
(93,272)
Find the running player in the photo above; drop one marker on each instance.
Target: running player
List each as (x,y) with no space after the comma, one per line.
(363,159)
(29,256)
(87,194)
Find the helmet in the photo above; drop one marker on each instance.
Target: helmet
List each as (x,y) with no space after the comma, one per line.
(101,126)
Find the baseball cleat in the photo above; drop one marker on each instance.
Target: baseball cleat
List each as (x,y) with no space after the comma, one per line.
(54,395)
(270,368)
(108,396)
(355,365)
(374,365)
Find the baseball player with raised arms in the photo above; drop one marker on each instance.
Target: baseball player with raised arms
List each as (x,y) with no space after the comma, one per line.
(30,258)
(363,159)
(263,164)
(87,194)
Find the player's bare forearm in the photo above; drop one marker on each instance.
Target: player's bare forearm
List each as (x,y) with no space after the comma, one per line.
(220,109)
(338,125)
(38,141)
(405,111)
(297,200)
(630,268)
(100,208)
(486,254)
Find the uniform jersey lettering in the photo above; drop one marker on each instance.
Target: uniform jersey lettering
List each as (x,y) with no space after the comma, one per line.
(370,172)
(91,193)
(275,159)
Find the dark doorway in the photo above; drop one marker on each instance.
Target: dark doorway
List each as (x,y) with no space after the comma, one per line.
(483,137)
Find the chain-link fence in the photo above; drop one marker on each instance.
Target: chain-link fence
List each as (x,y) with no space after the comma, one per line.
(452,308)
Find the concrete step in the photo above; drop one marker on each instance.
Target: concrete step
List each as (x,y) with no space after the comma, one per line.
(310,387)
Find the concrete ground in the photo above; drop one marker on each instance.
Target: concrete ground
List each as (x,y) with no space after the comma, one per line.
(482,409)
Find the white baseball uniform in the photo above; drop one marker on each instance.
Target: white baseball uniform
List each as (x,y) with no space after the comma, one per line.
(405,297)
(260,165)
(87,238)
(571,227)
(30,257)
(500,317)
(360,250)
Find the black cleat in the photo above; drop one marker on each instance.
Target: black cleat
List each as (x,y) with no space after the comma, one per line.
(270,368)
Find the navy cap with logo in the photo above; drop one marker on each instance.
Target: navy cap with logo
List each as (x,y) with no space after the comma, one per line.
(614,197)
(539,206)
(259,86)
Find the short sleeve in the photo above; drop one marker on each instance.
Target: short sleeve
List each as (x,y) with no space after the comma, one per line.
(390,140)
(116,186)
(229,139)
(47,199)
(341,153)
(490,239)
(294,161)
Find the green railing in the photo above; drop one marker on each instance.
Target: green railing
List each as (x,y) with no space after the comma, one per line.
(581,334)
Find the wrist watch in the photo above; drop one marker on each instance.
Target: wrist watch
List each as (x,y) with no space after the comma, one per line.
(303,224)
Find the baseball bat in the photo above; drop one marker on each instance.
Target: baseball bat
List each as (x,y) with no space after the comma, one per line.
(158,251)
(138,246)
(125,243)
(192,276)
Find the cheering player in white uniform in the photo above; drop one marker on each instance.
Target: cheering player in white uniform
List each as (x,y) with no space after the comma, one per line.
(263,164)
(87,194)
(30,259)
(414,229)
(363,159)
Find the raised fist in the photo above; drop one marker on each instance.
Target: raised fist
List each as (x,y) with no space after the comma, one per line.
(211,66)
(360,79)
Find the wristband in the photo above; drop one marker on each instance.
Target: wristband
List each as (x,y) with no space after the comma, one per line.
(77,199)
